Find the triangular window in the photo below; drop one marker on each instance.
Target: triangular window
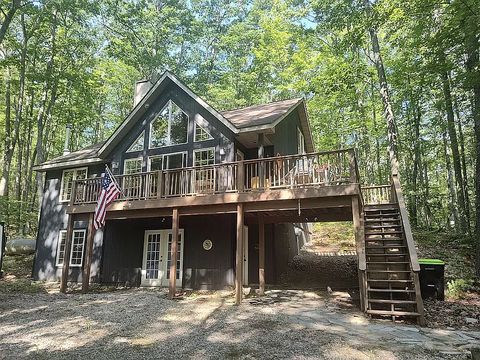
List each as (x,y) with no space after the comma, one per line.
(170,127)
(201,134)
(138,144)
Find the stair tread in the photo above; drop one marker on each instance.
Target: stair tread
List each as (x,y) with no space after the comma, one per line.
(392,290)
(391,280)
(389,301)
(388,262)
(392,313)
(384,239)
(383,232)
(381,226)
(384,219)
(387,271)
(389,255)
(385,246)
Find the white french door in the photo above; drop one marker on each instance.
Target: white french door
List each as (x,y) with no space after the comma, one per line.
(157,258)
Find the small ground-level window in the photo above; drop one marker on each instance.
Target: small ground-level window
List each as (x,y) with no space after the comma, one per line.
(62,237)
(78,244)
(68,177)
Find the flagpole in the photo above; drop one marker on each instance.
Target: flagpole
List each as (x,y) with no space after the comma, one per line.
(114,180)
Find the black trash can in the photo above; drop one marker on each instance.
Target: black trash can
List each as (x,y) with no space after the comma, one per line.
(432,279)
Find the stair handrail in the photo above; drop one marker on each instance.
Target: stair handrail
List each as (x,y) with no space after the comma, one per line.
(406,223)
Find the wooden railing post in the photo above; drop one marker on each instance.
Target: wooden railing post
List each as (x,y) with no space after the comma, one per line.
(66,255)
(352,166)
(159,184)
(240,176)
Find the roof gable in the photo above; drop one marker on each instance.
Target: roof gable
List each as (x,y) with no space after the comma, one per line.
(144,104)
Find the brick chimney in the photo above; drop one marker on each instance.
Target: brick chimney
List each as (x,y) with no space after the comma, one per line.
(68,132)
(141,88)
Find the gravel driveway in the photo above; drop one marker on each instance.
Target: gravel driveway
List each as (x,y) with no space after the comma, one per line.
(143,324)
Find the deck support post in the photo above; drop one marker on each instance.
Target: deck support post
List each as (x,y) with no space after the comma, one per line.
(239,256)
(359,242)
(66,256)
(88,261)
(173,256)
(261,256)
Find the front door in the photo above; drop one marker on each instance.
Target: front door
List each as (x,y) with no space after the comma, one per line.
(157,258)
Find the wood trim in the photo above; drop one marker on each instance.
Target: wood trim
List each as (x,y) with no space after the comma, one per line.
(239,256)
(330,191)
(88,255)
(406,224)
(66,256)
(173,263)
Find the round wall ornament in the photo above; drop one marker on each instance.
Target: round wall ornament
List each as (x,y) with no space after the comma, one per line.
(207,244)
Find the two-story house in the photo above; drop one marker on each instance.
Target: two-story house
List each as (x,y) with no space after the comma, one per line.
(235,188)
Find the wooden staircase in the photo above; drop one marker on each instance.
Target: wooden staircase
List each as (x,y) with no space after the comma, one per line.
(389,271)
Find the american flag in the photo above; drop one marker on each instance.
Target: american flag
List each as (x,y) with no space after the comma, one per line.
(110,192)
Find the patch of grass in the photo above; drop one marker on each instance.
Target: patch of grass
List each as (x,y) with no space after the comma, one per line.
(458,289)
(455,250)
(17,271)
(335,234)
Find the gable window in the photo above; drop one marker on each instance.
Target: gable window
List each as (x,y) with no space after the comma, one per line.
(78,243)
(170,127)
(68,177)
(138,144)
(201,134)
(301,142)
(62,237)
(132,166)
(204,157)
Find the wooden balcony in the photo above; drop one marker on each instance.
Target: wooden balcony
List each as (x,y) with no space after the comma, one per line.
(283,178)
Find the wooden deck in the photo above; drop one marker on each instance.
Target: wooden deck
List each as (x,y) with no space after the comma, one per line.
(280,187)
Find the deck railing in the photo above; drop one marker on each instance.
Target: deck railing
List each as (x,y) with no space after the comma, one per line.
(377,194)
(281,172)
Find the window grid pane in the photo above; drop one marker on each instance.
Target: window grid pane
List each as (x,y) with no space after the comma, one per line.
(61,247)
(170,127)
(78,240)
(201,134)
(153,256)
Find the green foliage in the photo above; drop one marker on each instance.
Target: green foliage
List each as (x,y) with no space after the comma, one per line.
(456,289)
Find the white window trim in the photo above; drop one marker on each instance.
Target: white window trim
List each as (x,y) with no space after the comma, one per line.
(74,178)
(168,128)
(204,129)
(83,247)
(149,161)
(135,141)
(57,263)
(300,140)
(204,149)
(132,159)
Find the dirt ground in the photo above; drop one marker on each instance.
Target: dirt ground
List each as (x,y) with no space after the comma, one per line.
(143,324)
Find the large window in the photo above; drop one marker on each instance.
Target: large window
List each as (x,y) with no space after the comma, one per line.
(78,244)
(170,127)
(68,177)
(174,161)
(76,251)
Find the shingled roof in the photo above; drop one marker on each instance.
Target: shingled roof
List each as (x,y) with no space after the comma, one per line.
(258,115)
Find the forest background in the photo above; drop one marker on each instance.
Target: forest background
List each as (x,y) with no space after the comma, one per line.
(407,68)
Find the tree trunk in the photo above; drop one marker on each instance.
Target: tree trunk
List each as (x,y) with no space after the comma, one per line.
(387,104)
(457,167)
(8,19)
(453,215)
(8,138)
